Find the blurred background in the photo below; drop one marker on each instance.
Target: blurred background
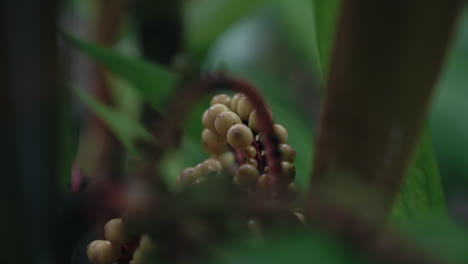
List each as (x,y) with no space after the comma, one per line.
(272,44)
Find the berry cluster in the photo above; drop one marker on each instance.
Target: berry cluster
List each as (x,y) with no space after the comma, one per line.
(234,140)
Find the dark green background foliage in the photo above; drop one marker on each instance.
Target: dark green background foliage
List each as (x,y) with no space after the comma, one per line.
(284,47)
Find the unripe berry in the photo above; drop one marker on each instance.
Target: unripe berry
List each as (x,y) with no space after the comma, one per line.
(138,256)
(226,120)
(205,122)
(252,162)
(262,182)
(288,171)
(212,113)
(281,133)
(200,180)
(239,136)
(115,232)
(213,166)
(221,99)
(253,120)
(212,142)
(103,252)
(287,153)
(187,176)
(227,159)
(250,152)
(147,243)
(244,108)
(247,175)
(235,101)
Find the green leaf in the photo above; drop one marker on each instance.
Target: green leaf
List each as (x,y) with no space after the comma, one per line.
(326,14)
(421,192)
(205,20)
(127,129)
(153,82)
(297,19)
(438,235)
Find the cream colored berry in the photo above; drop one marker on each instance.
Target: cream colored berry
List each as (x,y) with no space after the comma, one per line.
(147,243)
(281,133)
(103,252)
(212,142)
(187,176)
(115,232)
(221,99)
(213,167)
(287,153)
(288,171)
(212,113)
(227,159)
(239,136)
(247,175)
(205,122)
(244,108)
(253,120)
(226,120)
(234,101)
(250,152)
(252,162)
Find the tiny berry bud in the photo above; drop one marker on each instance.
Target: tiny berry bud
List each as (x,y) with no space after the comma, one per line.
(226,120)
(235,101)
(212,142)
(287,153)
(247,175)
(244,108)
(239,136)
(221,99)
(250,152)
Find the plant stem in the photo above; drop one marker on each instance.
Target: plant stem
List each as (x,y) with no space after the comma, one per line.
(385,62)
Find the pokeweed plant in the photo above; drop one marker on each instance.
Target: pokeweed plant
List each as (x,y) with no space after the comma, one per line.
(382,70)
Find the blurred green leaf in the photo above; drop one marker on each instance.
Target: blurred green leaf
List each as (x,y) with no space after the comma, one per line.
(326,14)
(297,19)
(153,82)
(126,128)
(296,247)
(439,235)
(449,121)
(205,20)
(421,192)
